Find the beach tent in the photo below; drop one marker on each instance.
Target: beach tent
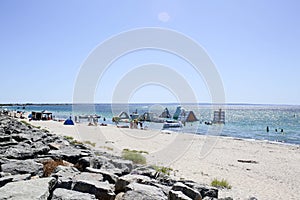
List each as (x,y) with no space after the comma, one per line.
(123,115)
(190,117)
(165,114)
(69,122)
(147,116)
(177,113)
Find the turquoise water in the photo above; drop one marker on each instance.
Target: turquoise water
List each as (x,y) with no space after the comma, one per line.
(242,121)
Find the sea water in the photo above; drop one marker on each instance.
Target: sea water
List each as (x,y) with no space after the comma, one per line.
(242,120)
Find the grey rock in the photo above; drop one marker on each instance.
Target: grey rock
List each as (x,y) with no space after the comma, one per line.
(165,179)
(63,194)
(205,190)
(101,162)
(21,177)
(3,174)
(21,137)
(143,192)
(209,198)
(85,176)
(125,180)
(119,196)
(69,154)
(4,180)
(21,151)
(83,163)
(165,189)
(38,136)
(36,189)
(107,176)
(4,138)
(125,165)
(102,190)
(145,171)
(40,148)
(23,167)
(212,198)
(178,195)
(54,146)
(8,143)
(65,176)
(14,178)
(189,192)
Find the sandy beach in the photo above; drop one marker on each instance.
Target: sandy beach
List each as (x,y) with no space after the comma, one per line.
(253,168)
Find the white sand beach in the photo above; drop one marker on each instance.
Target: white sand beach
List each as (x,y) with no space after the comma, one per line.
(253,168)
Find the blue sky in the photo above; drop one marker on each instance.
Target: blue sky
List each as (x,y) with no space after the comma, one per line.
(255,45)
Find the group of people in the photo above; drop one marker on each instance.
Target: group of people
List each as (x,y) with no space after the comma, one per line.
(135,123)
(276,130)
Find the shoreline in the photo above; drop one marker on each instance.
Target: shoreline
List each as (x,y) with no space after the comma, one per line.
(269,170)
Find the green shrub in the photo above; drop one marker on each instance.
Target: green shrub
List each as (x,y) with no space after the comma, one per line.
(220,184)
(68,137)
(136,151)
(134,156)
(162,169)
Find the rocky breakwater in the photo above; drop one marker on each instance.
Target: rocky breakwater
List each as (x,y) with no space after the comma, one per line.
(35,164)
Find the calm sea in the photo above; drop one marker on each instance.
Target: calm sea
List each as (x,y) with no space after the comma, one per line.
(242,121)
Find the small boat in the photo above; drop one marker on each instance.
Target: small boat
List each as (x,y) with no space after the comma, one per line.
(172,124)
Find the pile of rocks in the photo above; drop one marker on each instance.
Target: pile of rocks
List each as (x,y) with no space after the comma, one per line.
(35,164)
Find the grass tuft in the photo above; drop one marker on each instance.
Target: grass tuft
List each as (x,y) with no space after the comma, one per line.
(136,151)
(68,137)
(162,169)
(220,184)
(133,155)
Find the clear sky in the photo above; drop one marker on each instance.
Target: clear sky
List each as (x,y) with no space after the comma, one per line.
(255,45)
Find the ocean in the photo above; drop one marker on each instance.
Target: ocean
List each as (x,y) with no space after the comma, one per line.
(242,120)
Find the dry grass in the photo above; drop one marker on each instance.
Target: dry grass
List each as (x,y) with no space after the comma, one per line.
(50,165)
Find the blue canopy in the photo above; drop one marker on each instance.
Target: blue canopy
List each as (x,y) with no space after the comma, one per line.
(69,122)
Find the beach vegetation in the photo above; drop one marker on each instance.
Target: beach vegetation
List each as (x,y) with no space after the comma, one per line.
(162,169)
(28,124)
(76,142)
(133,155)
(221,184)
(90,143)
(50,165)
(136,151)
(107,148)
(45,130)
(25,123)
(68,137)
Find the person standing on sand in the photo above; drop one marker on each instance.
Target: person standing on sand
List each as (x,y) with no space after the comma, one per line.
(141,124)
